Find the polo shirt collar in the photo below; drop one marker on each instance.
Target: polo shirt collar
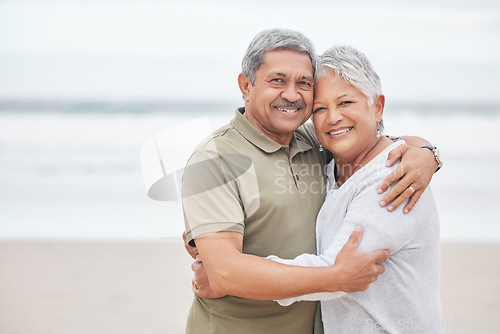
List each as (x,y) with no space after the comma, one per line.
(259,139)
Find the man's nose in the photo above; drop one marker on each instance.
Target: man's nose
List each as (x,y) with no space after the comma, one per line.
(291,93)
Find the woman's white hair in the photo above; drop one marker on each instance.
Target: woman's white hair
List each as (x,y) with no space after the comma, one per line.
(352,66)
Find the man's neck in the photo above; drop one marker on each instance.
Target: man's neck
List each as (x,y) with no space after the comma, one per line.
(282,139)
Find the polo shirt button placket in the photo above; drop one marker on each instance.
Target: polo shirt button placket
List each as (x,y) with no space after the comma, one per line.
(295,176)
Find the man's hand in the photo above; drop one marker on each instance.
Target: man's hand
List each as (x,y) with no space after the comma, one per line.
(414,174)
(193,251)
(358,270)
(200,283)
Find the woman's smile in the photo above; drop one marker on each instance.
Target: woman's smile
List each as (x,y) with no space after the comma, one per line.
(340,131)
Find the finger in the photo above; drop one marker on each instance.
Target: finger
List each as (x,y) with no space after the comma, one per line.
(395,155)
(396,190)
(195,290)
(390,179)
(413,200)
(355,237)
(380,255)
(401,198)
(379,269)
(194,252)
(195,266)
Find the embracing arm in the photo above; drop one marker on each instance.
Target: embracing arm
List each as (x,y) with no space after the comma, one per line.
(414,174)
(382,230)
(232,272)
(210,190)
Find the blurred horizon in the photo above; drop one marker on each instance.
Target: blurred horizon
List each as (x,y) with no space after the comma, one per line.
(219,108)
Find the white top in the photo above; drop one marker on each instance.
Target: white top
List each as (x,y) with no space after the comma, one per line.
(405,299)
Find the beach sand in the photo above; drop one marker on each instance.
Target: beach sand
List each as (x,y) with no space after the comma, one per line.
(49,287)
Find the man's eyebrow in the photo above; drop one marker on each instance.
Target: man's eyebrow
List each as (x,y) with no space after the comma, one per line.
(279,74)
(283,75)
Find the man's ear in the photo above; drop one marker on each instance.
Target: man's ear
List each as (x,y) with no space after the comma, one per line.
(378,106)
(245,85)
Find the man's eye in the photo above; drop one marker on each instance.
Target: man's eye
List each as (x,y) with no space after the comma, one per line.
(345,103)
(305,85)
(277,80)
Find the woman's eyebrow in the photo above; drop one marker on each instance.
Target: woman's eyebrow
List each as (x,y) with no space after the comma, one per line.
(341,96)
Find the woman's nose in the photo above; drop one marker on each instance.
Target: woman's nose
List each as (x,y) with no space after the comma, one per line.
(334,116)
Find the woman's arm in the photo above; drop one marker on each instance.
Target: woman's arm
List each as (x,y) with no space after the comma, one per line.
(232,272)
(382,230)
(311,260)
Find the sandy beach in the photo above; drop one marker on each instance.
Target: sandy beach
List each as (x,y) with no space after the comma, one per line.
(49,287)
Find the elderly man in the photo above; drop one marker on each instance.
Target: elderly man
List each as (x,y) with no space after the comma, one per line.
(254,187)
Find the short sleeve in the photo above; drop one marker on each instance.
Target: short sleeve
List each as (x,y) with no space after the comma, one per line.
(210,196)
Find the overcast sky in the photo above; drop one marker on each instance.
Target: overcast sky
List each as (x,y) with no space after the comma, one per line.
(427,51)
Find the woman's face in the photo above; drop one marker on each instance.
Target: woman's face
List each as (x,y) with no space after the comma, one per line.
(345,124)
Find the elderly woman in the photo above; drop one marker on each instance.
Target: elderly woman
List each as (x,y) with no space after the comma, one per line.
(347,115)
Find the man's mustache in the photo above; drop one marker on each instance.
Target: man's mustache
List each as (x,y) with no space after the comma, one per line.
(288,104)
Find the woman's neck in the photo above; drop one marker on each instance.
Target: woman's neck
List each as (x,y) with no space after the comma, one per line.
(346,167)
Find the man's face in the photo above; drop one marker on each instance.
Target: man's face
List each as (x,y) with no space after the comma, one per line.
(281,98)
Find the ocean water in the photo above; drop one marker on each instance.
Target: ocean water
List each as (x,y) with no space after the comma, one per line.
(73,170)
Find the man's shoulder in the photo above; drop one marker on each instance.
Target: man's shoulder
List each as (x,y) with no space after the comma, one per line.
(306,133)
(216,138)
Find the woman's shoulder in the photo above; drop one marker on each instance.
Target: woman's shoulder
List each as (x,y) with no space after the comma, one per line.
(376,170)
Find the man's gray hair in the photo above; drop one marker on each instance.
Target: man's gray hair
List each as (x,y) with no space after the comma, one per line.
(352,66)
(274,39)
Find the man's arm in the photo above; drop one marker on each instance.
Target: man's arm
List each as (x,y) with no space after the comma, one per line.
(414,174)
(232,272)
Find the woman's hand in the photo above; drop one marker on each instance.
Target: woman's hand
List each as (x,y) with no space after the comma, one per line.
(414,174)
(200,283)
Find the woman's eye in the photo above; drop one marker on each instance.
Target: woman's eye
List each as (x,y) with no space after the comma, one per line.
(345,103)
(319,110)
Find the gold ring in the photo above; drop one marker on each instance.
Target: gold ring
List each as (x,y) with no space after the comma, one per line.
(411,188)
(195,285)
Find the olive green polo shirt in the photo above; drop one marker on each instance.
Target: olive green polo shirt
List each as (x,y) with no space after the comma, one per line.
(240,180)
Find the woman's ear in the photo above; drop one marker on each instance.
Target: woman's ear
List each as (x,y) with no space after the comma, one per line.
(245,85)
(378,106)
